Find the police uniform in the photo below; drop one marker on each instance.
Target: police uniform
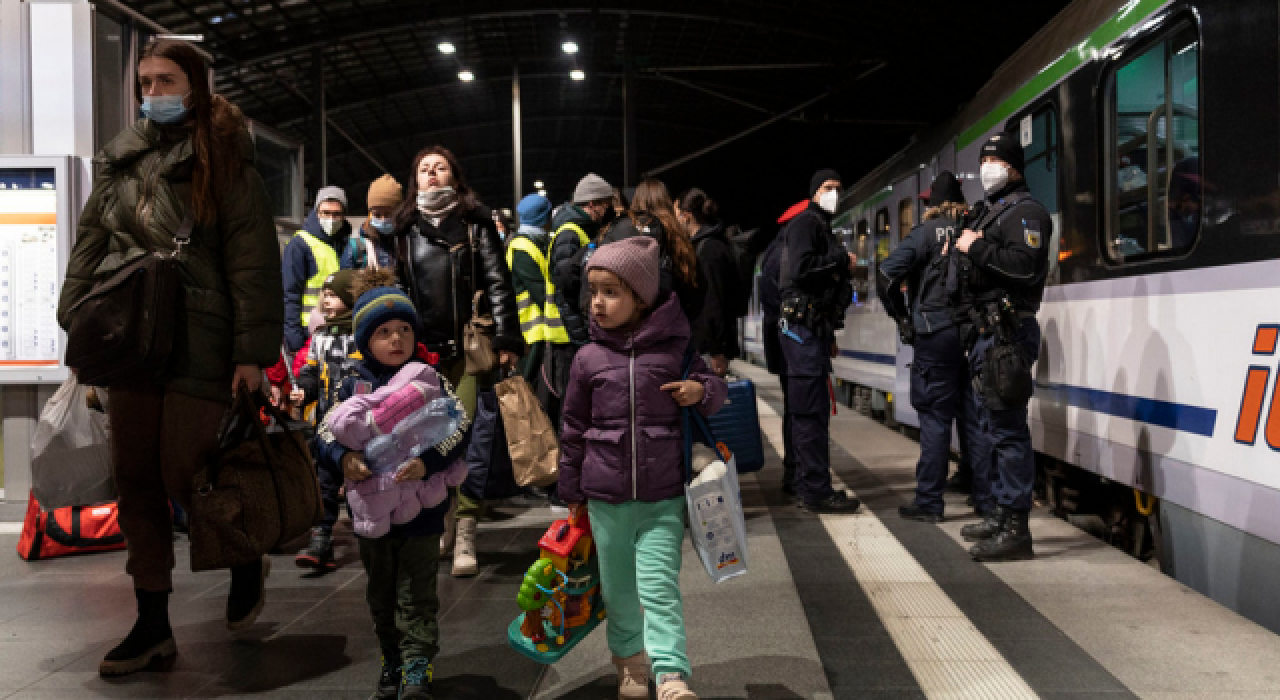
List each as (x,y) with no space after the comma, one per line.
(1011,261)
(770,338)
(941,390)
(813,263)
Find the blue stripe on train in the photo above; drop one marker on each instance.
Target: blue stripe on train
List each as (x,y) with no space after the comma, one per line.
(1167,414)
(876,357)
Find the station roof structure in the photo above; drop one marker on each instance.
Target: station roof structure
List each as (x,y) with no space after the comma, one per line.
(833,82)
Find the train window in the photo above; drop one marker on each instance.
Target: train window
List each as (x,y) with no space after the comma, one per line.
(1043,156)
(1155,197)
(906,216)
(861,247)
(883,237)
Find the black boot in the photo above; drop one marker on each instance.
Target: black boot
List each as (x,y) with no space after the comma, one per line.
(319,552)
(961,481)
(1012,543)
(388,681)
(788,480)
(416,683)
(248,593)
(915,512)
(150,642)
(989,526)
(837,503)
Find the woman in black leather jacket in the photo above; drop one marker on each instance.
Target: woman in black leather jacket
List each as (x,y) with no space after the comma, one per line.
(447,250)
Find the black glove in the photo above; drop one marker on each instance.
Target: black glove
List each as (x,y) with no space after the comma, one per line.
(907,331)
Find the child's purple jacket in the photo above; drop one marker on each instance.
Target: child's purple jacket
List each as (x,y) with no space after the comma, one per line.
(622,438)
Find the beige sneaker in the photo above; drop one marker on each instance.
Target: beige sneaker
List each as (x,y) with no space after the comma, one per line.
(450,529)
(464,548)
(671,686)
(633,677)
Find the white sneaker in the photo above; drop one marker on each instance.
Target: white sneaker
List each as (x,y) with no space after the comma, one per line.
(464,548)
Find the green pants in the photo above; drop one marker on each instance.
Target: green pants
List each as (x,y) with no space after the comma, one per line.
(466,387)
(639,549)
(402,594)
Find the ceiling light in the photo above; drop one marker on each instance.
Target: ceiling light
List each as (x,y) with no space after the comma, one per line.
(182,37)
(538,184)
(466,76)
(542,193)
(577,74)
(569,47)
(446,47)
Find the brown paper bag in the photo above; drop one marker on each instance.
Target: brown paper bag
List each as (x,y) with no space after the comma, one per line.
(531,439)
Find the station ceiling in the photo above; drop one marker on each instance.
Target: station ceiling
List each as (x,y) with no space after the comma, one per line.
(864,75)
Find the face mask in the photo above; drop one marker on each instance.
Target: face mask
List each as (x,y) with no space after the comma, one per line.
(994,177)
(165,109)
(828,201)
(330,226)
(382,226)
(435,199)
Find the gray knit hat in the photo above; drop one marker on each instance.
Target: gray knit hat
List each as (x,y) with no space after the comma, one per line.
(635,261)
(331,193)
(592,188)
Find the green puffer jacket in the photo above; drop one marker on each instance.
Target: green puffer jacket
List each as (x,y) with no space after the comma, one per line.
(232,311)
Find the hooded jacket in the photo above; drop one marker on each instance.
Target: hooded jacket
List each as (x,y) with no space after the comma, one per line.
(441,269)
(621,438)
(691,297)
(299,265)
(566,272)
(231,313)
(715,331)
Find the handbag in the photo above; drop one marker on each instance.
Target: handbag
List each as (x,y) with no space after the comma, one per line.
(531,439)
(489,473)
(256,491)
(58,532)
(71,451)
(125,325)
(477,334)
(717,524)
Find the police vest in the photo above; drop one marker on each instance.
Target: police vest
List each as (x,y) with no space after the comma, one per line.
(326,264)
(537,323)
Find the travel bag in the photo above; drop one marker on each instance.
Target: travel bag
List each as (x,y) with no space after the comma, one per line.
(737,425)
(64,531)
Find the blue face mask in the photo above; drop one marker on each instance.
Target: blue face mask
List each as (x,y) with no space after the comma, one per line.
(164,109)
(382,226)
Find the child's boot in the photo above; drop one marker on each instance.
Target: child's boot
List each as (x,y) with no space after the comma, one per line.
(150,642)
(672,686)
(388,681)
(633,677)
(450,528)
(416,681)
(319,552)
(464,548)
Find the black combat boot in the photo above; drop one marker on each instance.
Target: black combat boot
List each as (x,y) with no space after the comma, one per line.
(319,552)
(416,683)
(1012,543)
(837,503)
(989,526)
(915,512)
(388,681)
(150,642)
(248,592)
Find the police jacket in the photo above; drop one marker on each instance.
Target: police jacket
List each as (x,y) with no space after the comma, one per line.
(817,263)
(918,261)
(441,269)
(1012,257)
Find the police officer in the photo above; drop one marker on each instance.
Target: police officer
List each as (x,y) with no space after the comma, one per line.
(770,314)
(1009,248)
(813,268)
(930,318)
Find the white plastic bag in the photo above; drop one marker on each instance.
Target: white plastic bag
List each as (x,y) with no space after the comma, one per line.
(717,524)
(71,452)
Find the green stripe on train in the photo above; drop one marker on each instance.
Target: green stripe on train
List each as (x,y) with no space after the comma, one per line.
(1128,16)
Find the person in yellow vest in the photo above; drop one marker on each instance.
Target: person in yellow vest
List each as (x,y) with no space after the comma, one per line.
(530,276)
(309,259)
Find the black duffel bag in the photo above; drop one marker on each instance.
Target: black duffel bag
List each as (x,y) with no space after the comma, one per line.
(125,326)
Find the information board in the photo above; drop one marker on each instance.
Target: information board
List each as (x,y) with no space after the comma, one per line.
(35,208)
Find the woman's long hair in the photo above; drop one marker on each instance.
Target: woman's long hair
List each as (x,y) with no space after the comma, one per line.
(467,202)
(216,128)
(652,199)
(701,207)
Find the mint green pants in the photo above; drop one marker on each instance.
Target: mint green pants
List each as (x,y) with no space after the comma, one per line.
(639,549)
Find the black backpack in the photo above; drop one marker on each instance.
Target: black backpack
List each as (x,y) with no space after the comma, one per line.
(744,247)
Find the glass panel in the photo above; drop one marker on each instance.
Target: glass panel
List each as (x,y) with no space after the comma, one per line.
(883,239)
(1139,100)
(277,164)
(861,247)
(1042,158)
(1180,191)
(112,98)
(906,217)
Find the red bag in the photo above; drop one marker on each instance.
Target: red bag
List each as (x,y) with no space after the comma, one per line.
(74,530)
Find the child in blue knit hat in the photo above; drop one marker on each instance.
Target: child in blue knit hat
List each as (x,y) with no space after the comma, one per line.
(401,565)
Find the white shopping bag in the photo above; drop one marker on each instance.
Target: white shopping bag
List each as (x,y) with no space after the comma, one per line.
(717,524)
(71,452)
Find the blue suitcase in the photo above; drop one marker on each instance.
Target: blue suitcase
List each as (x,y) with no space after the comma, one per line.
(737,425)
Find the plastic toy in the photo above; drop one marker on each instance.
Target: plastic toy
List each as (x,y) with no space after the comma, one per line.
(560,594)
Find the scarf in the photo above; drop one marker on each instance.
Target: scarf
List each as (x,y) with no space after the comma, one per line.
(437,202)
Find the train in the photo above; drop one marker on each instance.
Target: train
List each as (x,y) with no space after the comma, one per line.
(1152,135)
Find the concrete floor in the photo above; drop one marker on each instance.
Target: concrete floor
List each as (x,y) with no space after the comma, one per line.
(815,618)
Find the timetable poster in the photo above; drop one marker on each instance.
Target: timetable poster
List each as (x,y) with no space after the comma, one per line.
(29,334)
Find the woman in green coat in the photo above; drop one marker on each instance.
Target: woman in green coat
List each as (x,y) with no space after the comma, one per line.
(190,156)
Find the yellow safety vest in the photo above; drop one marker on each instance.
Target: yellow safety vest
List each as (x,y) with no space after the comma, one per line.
(583,239)
(537,324)
(326,264)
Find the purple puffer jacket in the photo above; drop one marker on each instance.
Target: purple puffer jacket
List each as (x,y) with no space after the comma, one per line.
(621,439)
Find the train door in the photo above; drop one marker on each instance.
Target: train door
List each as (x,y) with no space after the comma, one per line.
(1039,131)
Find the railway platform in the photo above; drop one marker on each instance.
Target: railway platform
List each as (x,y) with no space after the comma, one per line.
(864,606)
